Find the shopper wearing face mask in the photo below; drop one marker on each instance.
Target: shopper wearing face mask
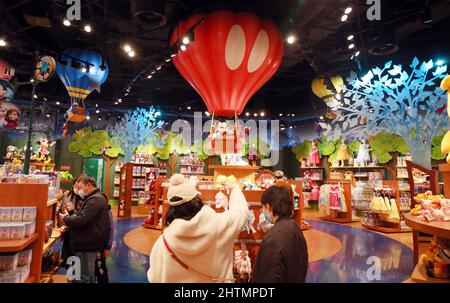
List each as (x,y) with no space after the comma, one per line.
(88,227)
(283,256)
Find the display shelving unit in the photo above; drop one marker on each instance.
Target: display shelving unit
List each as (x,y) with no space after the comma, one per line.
(155,207)
(390,227)
(26,195)
(342,217)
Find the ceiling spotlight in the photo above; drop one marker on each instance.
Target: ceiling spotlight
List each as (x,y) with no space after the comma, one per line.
(263,114)
(57,103)
(126,94)
(97,111)
(96,105)
(348,10)
(173,55)
(189,108)
(207,114)
(183,47)
(186,40)
(149,76)
(31,80)
(440,62)
(119,100)
(247,114)
(357,53)
(66,22)
(351,46)
(116,103)
(290,127)
(280,115)
(293,115)
(158,67)
(127,48)
(255,115)
(88,118)
(168,60)
(87,28)
(83,69)
(321,117)
(48,115)
(350,37)
(2,42)
(99,119)
(35,96)
(290,39)
(131,54)
(344,18)
(282,128)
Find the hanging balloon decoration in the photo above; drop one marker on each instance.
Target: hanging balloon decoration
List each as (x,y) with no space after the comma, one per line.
(231,57)
(321,87)
(7,72)
(81,71)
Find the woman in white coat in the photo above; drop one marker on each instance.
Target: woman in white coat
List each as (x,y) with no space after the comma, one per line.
(197,243)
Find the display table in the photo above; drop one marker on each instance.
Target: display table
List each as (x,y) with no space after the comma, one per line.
(239,171)
(438,229)
(445,170)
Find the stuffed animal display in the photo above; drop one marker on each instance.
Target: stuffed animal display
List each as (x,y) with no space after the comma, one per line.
(445,144)
(242,263)
(43,151)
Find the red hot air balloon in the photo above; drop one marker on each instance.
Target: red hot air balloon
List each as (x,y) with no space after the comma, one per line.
(233,55)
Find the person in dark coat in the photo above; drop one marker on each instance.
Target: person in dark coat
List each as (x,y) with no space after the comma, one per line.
(101,271)
(283,256)
(88,227)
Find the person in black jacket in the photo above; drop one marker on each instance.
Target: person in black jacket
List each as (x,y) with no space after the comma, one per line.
(283,256)
(88,227)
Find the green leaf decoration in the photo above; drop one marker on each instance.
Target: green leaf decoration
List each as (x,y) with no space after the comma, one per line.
(96,149)
(85,153)
(326,147)
(74,147)
(436,153)
(302,150)
(333,156)
(384,143)
(354,147)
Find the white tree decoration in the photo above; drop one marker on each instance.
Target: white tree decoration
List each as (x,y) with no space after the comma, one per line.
(136,128)
(410,105)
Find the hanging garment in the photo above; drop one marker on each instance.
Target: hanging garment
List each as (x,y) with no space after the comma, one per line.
(387,204)
(343,202)
(335,197)
(394,215)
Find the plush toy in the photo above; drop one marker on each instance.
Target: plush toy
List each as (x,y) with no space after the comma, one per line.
(445,145)
(43,151)
(10,152)
(245,265)
(221,200)
(248,226)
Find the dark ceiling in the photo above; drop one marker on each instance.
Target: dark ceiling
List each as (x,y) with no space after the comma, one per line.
(322,46)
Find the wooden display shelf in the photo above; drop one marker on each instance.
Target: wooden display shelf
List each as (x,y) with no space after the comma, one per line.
(346,216)
(192,173)
(30,279)
(420,275)
(56,235)
(357,167)
(151,226)
(387,230)
(195,165)
(55,200)
(17,245)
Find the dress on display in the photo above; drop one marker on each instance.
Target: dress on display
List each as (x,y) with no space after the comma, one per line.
(315,193)
(335,197)
(343,152)
(313,157)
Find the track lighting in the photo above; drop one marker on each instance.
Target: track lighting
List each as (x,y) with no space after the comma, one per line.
(350,37)
(351,46)
(66,22)
(2,42)
(348,10)
(87,28)
(344,18)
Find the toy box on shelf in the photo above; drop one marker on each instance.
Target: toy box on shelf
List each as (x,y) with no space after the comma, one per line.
(21,249)
(191,165)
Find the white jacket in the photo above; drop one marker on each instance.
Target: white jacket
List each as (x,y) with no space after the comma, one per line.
(204,243)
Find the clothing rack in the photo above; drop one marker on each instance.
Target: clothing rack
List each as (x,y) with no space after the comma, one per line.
(390,227)
(342,217)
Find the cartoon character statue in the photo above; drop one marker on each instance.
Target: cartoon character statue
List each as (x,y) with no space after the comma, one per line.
(363,153)
(43,151)
(10,152)
(12,118)
(342,154)
(314,157)
(3,112)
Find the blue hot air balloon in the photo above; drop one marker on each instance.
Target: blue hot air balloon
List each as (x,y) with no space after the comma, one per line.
(81,71)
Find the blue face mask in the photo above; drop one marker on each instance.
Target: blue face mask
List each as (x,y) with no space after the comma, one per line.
(267,217)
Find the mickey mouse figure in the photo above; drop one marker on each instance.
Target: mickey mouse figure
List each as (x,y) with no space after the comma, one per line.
(43,150)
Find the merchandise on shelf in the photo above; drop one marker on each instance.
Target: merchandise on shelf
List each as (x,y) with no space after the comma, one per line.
(17,223)
(15,268)
(384,204)
(431,207)
(362,194)
(437,259)
(331,199)
(233,159)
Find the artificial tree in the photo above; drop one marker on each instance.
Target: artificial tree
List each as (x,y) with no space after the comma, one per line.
(88,143)
(136,128)
(389,98)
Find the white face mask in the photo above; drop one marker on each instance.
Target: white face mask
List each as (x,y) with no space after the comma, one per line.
(81,193)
